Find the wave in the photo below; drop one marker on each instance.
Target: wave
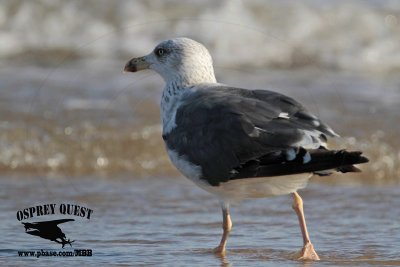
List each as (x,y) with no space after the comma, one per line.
(356,35)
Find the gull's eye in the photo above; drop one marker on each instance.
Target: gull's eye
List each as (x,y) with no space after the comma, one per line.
(160,52)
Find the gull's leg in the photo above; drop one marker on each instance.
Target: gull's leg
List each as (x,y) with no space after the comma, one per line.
(307,252)
(226,226)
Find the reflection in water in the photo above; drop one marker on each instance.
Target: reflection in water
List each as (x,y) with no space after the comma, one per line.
(224,260)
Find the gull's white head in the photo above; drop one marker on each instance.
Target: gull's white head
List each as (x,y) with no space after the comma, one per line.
(182,61)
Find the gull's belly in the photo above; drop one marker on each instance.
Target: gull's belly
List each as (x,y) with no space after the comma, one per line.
(236,190)
(188,169)
(260,187)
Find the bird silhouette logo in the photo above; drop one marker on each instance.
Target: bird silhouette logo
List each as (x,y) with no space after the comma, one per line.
(49,230)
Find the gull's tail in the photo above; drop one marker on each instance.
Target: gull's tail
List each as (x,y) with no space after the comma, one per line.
(319,161)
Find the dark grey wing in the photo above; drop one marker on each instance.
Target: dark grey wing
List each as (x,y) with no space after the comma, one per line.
(290,112)
(222,129)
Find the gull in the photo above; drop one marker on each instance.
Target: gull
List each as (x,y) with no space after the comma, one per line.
(238,143)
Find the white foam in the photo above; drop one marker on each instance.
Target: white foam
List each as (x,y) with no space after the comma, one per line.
(363,35)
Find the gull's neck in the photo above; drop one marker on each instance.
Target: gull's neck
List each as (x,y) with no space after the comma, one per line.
(176,85)
(173,91)
(191,76)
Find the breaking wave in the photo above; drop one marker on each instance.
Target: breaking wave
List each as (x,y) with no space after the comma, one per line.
(355,35)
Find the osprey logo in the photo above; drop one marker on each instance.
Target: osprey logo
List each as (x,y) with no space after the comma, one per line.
(49,230)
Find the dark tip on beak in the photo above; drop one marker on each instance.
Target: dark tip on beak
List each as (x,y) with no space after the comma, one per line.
(136,64)
(130,67)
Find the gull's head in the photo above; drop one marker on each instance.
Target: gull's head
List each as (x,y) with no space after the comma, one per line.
(181,60)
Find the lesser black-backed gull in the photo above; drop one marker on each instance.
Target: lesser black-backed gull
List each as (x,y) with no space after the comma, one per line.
(238,143)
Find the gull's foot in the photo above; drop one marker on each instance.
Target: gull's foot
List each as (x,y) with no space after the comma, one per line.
(307,253)
(220,250)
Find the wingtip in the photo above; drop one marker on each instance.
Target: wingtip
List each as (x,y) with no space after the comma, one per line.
(364,159)
(361,158)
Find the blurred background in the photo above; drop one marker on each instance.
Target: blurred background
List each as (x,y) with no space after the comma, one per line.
(67,108)
(68,113)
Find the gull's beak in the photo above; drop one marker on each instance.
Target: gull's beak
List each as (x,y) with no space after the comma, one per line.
(136,64)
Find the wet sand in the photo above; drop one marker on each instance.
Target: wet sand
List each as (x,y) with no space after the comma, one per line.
(169,221)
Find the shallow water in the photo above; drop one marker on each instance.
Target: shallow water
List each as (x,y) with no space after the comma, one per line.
(169,221)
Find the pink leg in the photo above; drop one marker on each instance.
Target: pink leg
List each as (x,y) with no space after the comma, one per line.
(307,252)
(227,227)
